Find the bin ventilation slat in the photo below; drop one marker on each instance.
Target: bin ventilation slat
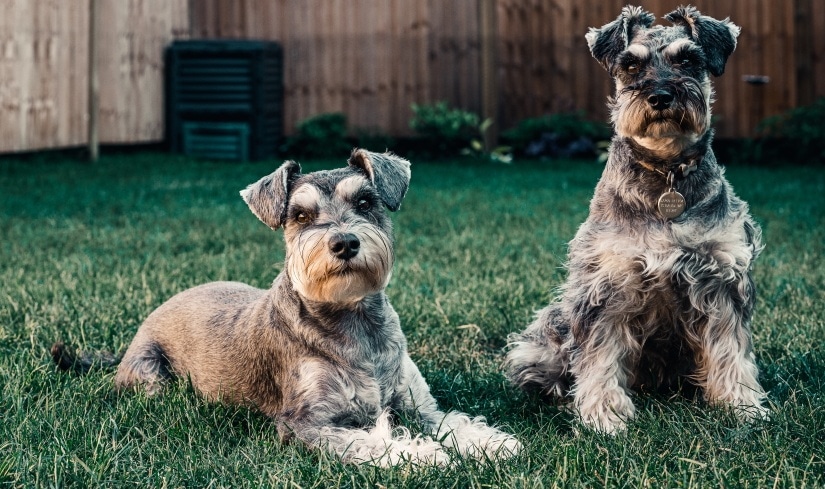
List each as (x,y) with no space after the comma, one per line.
(215,88)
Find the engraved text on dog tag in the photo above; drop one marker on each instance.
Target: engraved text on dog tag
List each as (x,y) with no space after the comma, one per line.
(671,204)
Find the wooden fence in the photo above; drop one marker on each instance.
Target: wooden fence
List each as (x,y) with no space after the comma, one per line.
(371,59)
(44,70)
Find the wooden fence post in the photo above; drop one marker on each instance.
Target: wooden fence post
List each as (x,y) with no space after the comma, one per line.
(94,85)
(803,46)
(488,31)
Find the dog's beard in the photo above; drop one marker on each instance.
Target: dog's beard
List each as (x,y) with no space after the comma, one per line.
(635,118)
(319,276)
(673,126)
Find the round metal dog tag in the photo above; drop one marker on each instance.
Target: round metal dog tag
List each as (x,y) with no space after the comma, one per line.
(671,204)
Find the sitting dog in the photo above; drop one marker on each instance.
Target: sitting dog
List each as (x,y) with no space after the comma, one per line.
(659,285)
(322,350)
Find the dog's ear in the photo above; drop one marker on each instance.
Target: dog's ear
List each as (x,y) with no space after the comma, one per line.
(389,174)
(717,38)
(268,197)
(607,42)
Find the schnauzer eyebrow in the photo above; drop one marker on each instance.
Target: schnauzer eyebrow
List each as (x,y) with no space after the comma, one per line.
(349,187)
(306,196)
(639,50)
(678,47)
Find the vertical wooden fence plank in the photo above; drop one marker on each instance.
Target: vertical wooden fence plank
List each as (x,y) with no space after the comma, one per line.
(817,27)
(804,49)
(488,34)
(94,80)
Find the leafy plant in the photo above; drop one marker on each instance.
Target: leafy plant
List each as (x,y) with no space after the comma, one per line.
(499,154)
(445,131)
(320,136)
(560,135)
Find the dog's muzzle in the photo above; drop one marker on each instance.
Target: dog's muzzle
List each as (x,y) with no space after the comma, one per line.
(665,107)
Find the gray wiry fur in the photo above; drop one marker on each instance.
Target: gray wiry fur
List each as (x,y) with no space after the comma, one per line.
(648,300)
(322,350)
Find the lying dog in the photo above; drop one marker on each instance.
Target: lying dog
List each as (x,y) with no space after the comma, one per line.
(322,350)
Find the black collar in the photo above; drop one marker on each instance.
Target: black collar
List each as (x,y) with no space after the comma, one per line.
(680,166)
(680,169)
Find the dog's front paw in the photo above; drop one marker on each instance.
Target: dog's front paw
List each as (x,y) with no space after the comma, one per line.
(418,451)
(493,445)
(505,446)
(746,403)
(610,416)
(753,413)
(473,437)
(750,413)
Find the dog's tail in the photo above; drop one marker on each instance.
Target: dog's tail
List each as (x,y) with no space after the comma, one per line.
(67,358)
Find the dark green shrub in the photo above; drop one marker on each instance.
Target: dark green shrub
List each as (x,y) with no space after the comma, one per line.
(444,131)
(561,135)
(320,136)
(795,135)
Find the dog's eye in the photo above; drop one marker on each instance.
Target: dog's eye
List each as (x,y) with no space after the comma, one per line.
(303,218)
(684,62)
(633,68)
(364,205)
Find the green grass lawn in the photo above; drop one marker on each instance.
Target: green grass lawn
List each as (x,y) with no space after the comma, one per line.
(86,252)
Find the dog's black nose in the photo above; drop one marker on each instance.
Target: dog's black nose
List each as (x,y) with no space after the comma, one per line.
(660,99)
(344,245)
